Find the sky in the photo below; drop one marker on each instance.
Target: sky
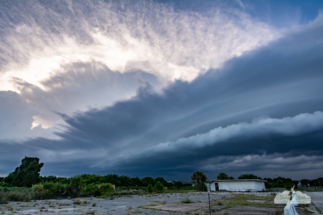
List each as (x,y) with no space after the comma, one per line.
(162,88)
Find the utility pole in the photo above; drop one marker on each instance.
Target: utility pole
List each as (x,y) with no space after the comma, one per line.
(208,191)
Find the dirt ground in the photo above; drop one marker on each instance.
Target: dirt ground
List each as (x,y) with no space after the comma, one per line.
(168,203)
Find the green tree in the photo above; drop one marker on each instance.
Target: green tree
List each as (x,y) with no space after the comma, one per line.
(223,176)
(136,181)
(200,178)
(178,184)
(8,180)
(248,176)
(26,174)
(161,180)
(147,180)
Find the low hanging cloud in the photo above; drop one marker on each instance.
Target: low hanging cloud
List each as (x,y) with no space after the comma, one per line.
(272,162)
(264,136)
(298,125)
(295,167)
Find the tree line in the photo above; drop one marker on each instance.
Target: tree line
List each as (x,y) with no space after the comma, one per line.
(28,174)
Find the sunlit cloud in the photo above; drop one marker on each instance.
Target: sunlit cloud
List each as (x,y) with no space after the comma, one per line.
(174,44)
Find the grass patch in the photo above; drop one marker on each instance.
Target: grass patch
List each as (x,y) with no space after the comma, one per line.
(136,212)
(161,202)
(241,200)
(150,205)
(187,201)
(76,202)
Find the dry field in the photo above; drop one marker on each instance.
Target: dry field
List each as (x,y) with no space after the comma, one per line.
(168,203)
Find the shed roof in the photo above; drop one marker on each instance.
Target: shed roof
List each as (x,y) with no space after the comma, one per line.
(237,180)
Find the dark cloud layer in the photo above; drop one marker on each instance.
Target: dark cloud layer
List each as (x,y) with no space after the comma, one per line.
(258,84)
(267,85)
(264,137)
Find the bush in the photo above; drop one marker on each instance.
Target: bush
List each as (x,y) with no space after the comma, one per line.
(202,187)
(75,188)
(105,188)
(150,188)
(187,201)
(3,184)
(38,187)
(15,195)
(178,184)
(159,186)
(77,202)
(147,180)
(75,185)
(91,190)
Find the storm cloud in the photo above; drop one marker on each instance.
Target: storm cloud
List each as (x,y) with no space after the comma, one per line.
(256,109)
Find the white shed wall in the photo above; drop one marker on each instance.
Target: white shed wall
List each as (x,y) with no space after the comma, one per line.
(239,186)
(212,186)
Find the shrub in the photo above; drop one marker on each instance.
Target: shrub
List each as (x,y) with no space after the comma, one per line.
(147,180)
(77,202)
(38,187)
(75,185)
(178,184)
(159,186)
(57,189)
(91,189)
(150,188)
(3,184)
(187,201)
(202,187)
(105,188)
(16,195)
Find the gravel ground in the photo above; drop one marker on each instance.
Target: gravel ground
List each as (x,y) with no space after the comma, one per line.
(122,205)
(317,199)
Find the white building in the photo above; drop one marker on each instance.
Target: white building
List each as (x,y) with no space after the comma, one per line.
(238,185)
